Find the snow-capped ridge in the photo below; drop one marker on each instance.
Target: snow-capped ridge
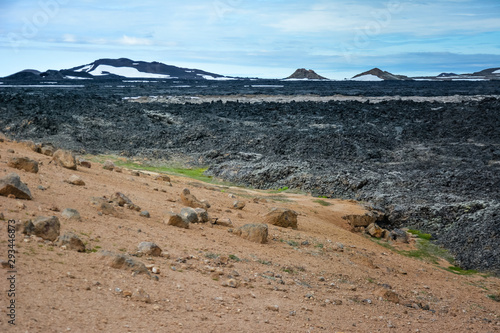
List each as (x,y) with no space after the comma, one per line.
(126,68)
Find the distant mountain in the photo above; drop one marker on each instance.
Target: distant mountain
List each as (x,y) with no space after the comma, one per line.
(120,69)
(484,75)
(304,74)
(377,74)
(447,74)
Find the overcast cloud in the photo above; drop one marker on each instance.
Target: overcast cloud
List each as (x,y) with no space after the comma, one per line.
(337,38)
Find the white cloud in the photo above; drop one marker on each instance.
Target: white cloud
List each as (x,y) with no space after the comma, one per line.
(126,40)
(69,38)
(413,18)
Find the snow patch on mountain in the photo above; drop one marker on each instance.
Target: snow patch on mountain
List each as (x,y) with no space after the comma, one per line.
(367,78)
(129,72)
(209,77)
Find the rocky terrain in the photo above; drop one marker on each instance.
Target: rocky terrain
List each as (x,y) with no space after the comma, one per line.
(106,248)
(429,164)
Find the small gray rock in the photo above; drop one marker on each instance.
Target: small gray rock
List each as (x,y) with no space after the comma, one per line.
(145,214)
(108,165)
(47,228)
(71,214)
(239,205)
(149,249)
(121,261)
(71,241)
(202,214)
(399,236)
(75,180)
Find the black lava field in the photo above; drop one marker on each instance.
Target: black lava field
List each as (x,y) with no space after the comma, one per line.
(430,166)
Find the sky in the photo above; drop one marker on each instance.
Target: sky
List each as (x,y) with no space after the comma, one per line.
(255,38)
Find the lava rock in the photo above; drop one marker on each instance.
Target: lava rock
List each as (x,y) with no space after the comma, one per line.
(23,163)
(256,233)
(75,180)
(282,217)
(191,201)
(11,185)
(65,159)
(71,214)
(176,221)
(149,249)
(71,241)
(47,228)
(189,215)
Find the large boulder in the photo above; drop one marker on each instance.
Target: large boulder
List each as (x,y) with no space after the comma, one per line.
(12,185)
(71,241)
(282,217)
(189,215)
(65,159)
(191,201)
(47,228)
(357,220)
(176,220)
(375,231)
(24,163)
(256,233)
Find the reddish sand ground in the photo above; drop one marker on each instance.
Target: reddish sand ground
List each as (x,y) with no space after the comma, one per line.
(298,282)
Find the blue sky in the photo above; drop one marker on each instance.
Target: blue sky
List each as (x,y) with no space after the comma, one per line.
(336,38)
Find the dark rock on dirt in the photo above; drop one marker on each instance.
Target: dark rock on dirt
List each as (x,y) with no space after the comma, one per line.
(256,233)
(190,200)
(12,185)
(122,261)
(71,214)
(149,249)
(71,241)
(189,215)
(282,217)
(177,221)
(24,163)
(47,228)
(64,158)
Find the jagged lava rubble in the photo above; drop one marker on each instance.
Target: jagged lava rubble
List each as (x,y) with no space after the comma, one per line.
(428,165)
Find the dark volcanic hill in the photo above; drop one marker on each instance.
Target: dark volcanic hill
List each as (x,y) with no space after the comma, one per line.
(303,73)
(384,75)
(119,69)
